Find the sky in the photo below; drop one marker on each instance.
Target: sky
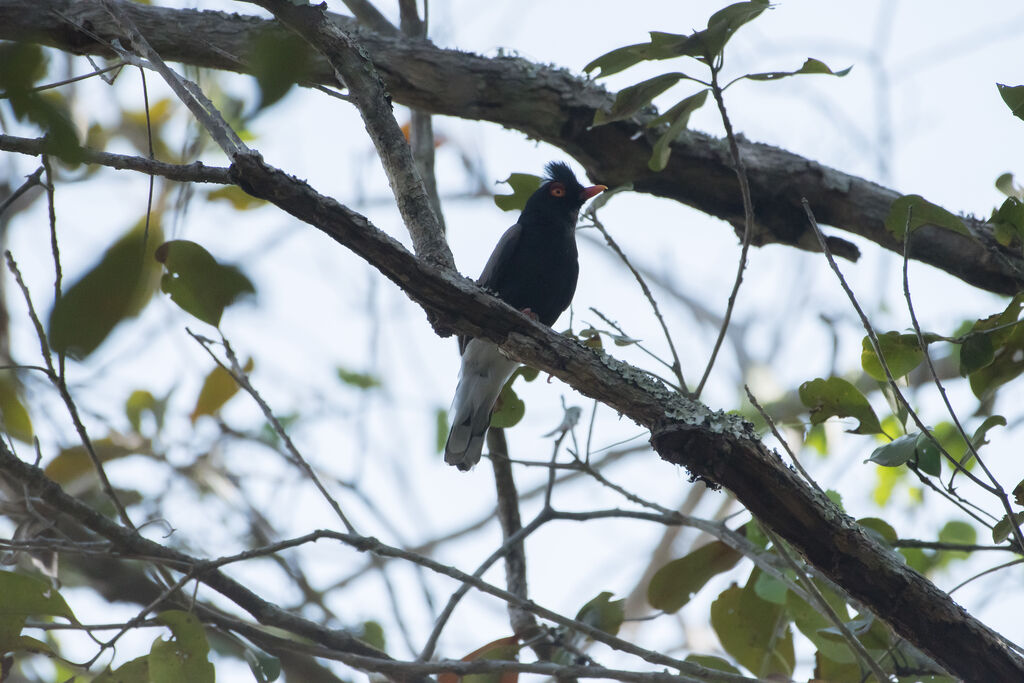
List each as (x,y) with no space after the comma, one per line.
(919,112)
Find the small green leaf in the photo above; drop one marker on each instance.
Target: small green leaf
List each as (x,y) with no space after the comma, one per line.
(1007,186)
(902,354)
(22,595)
(923,213)
(237,197)
(681,113)
(712,662)
(929,457)
(836,498)
(603,613)
(880,529)
(511,408)
(620,59)
(724,23)
(74,462)
(360,380)
(811,66)
(218,388)
(185,657)
(265,667)
(979,439)
(198,283)
(14,418)
(960,533)
(630,100)
(1018,493)
(1014,98)
(115,289)
(523,185)
(677,582)
(278,60)
(975,353)
(770,589)
(371,633)
(896,452)
(441,427)
(835,397)
(135,671)
(1004,528)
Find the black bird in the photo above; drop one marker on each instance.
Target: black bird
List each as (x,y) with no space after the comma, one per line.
(533,268)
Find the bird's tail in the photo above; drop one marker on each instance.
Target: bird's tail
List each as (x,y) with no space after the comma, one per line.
(484,372)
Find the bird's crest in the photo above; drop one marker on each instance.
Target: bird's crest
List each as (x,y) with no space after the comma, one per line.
(560,171)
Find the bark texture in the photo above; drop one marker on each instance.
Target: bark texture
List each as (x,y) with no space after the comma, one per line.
(556,106)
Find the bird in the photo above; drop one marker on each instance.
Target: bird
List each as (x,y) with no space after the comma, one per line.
(534,268)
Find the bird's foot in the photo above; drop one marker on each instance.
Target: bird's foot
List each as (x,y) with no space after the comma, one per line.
(530,314)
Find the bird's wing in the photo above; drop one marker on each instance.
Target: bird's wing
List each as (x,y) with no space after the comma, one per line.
(496,266)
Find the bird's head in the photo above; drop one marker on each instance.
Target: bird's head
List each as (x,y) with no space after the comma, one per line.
(559,196)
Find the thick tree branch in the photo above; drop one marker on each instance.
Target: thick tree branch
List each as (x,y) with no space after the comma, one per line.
(713,445)
(350,61)
(557,107)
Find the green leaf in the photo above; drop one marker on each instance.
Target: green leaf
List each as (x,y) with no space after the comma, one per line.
(835,397)
(751,630)
(197,282)
(501,649)
(1018,493)
(265,667)
(810,621)
(836,498)
(603,613)
(441,427)
(115,289)
(621,58)
(1007,186)
(278,60)
(135,671)
(976,352)
(902,354)
(630,100)
(74,462)
(237,197)
(24,596)
(960,533)
(184,658)
(360,380)
(510,410)
(929,457)
(979,439)
(141,401)
(770,589)
(680,114)
(218,388)
(1003,528)
(1014,98)
(923,213)
(371,633)
(724,23)
(880,529)
(14,418)
(712,662)
(811,66)
(523,185)
(677,582)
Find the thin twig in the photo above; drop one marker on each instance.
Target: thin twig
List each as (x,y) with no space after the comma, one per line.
(31,180)
(238,374)
(775,432)
(748,225)
(676,366)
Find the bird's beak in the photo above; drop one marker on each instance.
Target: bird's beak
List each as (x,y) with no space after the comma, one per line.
(589,192)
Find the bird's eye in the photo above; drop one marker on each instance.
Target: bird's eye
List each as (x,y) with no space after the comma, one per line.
(557,190)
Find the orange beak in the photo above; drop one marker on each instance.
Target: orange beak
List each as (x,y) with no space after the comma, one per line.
(589,192)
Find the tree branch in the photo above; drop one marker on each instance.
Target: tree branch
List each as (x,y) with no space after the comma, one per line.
(557,107)
(715,446)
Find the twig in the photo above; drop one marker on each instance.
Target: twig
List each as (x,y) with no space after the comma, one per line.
(775,432)
(675,366)
(238,374)
(999,492)
(31,180)
(196,172)
(62,388)
(748,224)
(851,640)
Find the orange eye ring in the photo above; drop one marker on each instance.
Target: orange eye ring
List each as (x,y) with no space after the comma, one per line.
(557,190)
